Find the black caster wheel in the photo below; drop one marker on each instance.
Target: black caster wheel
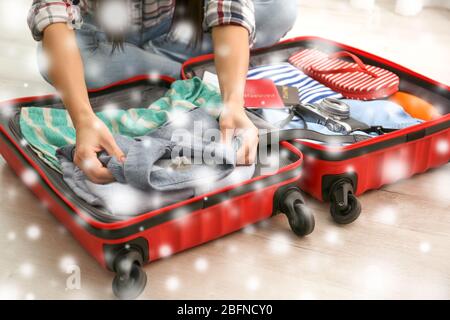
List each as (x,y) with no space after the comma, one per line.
(130,279)
(345,207)
(300,218)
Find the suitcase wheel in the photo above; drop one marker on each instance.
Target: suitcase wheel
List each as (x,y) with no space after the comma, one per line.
(130,279)
(300,217)
(344,207)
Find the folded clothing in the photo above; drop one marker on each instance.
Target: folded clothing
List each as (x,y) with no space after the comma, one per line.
(277,116)
(285,74)
(123,200)
(119,199)
(47,129)
(192,158)
(375,113)
(170,164)
(381,113)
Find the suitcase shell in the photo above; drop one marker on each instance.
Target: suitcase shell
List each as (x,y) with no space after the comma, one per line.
(338,174)
(156,234)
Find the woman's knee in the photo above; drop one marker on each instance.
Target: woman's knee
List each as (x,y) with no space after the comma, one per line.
(274,19)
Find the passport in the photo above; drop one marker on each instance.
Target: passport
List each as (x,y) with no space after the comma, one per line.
(262,93)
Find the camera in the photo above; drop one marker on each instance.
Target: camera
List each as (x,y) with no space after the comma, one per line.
(331,113)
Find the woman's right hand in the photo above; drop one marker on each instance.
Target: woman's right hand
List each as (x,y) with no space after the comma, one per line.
(94,136)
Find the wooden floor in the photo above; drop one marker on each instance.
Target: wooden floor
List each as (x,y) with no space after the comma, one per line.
(398,248)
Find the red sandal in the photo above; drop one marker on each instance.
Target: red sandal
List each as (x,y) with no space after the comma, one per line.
(354,80)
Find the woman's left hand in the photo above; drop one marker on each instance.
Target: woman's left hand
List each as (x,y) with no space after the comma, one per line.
(234,122)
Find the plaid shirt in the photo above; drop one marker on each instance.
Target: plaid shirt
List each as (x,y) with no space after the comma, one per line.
(143,14)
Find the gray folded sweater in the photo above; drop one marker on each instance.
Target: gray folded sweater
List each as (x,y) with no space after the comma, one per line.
(170,164)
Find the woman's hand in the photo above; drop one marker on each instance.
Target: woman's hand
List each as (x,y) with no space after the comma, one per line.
(234,122)
(94,136)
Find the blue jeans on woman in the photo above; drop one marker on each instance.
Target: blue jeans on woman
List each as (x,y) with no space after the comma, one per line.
(155,50)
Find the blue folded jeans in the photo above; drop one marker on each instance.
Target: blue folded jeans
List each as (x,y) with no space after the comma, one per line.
(382,113)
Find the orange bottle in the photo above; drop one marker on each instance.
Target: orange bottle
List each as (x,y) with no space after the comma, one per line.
(415,106)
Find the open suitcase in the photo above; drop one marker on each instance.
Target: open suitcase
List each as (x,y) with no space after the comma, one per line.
(124,246)
(339,174)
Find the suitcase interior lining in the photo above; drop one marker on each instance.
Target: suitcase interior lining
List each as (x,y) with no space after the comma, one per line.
(126,96)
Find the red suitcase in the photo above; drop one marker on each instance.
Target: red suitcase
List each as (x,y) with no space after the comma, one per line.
(340,174)
(125,246)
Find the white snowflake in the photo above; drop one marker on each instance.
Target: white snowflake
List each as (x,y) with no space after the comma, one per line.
(179,118)
(7,111)
(93,70)
(250,229)
(33,232)
(9,291)
(44,61)
(232,248)
(26,270)
(201,264)
(11,236)
(66,262)
(279,244)
(165,251)
(258,186)
(29,177)
(376,278)
(387,215)
(442,147)
(223,50)
(184,32)
(154,75)
(44,204)
(425,247)
(253,283)
(87,164)
(147,143)
(172,283)
(275,58)
(395,169)
(113,16)
(350,169)
(11,193)
(23,142)
(29,296)
(111,109)
(263,224)
(332,237)
(136,96)
(62,230)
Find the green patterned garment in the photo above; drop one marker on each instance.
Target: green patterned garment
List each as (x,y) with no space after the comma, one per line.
(47,129)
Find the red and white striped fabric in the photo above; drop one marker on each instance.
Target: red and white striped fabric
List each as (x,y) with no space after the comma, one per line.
(354,80)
